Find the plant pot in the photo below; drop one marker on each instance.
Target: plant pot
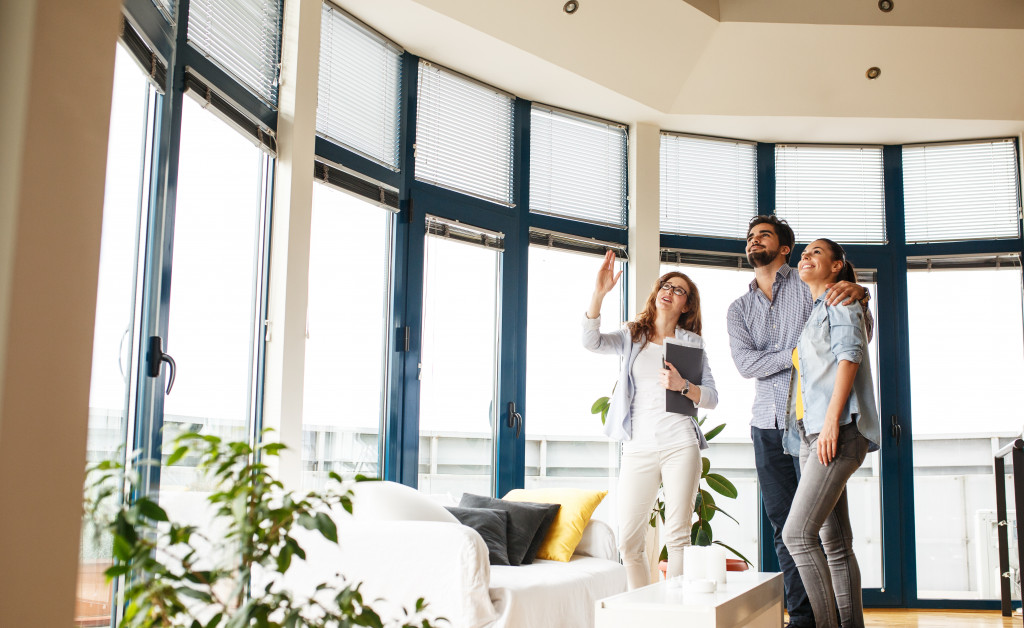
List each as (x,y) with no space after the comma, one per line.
(663,566)
(735,564)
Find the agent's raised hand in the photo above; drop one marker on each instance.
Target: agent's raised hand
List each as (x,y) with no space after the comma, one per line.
(606,275)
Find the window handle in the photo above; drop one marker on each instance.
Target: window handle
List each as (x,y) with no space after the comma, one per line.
(895,429)
(515,420)
(154,357)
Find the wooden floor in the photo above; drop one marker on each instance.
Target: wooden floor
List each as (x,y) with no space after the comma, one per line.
(909,618)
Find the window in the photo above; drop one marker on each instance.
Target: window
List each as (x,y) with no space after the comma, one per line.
(565,445)
(962,191)
(577,167)
(241,36)
(463,135)
(360,84)
(708,186)
(346,338)
(977,339)
(132,107)
(833,192)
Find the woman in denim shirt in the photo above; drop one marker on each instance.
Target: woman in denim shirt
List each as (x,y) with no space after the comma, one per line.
(833,423)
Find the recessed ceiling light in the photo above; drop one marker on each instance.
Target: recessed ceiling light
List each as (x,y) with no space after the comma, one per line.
(873,73)
(885,5)
(571,6)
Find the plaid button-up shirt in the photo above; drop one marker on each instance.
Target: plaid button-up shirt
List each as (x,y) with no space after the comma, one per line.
(762,335)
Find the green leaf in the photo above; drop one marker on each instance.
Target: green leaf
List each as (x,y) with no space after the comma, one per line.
(196,594)
(326,525)
(664,553)
(706,466)
(721,485)
(744,558)
(151,510)
(599,405)
(284,558)
(717,509)
(274,449)
(604,415)
(703,536)
(700,421)
(178,454)
(122,549)
(714,432)
(116,571)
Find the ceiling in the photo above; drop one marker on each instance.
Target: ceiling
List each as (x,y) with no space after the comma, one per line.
(769,71)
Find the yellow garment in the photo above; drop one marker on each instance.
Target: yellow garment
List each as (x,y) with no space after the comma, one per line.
(799,393)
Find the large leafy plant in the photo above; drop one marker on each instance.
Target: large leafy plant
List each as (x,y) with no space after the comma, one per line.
(177,575)
(704,508)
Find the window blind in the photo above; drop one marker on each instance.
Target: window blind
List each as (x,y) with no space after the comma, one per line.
(146,58)
(999,261)
(576,244)
(241,36)
(963,191)
(833,192)
(463,135)
(577,167)
(453,230)
(167,8)
(340,179)
(231,113)
(708,186)
(360,79)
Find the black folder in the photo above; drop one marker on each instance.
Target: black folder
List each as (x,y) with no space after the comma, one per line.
(689,361)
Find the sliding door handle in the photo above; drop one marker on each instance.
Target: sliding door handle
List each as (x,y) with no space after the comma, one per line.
(515,420)
(895,429)
(154,357)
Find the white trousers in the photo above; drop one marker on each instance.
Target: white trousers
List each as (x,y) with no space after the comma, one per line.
(640,475)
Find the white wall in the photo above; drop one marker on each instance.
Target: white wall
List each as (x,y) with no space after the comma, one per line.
(54,115)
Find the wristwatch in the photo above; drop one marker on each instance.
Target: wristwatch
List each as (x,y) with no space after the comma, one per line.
(686,387)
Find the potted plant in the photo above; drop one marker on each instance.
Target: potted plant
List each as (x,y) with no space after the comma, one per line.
(704,507)
(173,577)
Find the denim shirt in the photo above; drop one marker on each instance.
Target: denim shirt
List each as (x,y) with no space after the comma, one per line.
(832,333)
(619,423)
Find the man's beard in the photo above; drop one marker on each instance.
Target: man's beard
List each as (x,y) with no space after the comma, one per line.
(763,257)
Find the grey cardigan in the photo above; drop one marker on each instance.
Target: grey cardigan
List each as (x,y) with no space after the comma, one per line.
(618,424)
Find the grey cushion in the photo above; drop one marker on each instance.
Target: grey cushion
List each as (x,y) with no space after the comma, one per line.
(550,511)
(492,524)
(524,521)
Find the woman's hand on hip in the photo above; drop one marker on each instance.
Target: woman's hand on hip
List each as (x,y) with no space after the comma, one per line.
(828,440)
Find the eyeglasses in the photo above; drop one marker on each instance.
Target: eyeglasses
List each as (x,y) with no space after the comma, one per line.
(676,290)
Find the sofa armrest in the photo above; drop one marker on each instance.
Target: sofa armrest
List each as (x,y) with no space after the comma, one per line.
(598,541)
(446,564)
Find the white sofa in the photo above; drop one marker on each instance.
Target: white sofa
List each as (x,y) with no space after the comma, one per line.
(403,546)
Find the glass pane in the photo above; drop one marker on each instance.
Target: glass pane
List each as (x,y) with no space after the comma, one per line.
(342,365)
(564,442)
(457,377)
(113,340)
(213,296)
(731,453)
(974,342)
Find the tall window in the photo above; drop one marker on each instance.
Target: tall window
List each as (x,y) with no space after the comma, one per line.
(114,338)
(975,340)
(577,167)
(961,191)
(463,134)
(346,338)
(360,84)
(565,445)
(833,192)
(708,186)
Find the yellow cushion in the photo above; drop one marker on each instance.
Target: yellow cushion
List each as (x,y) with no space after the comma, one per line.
(577,505)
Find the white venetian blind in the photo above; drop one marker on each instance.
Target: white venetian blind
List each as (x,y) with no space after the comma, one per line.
(241,36)
(964,191)
(463,134)
(708,186)
(360,79)
(577,167)
(833,192)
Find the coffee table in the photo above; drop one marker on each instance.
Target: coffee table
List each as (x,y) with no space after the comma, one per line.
(747,600)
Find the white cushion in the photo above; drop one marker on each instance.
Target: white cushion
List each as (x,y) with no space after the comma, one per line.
(390,501)
(598,541)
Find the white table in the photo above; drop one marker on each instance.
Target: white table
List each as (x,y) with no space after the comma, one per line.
(747,600)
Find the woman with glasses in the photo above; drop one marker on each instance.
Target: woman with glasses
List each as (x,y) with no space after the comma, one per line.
(833,423)
(658,447)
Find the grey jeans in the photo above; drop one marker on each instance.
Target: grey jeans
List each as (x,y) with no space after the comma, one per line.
(829,570)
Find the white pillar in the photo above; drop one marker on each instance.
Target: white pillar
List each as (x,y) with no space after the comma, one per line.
(644,221)
(293,206)
(57,76)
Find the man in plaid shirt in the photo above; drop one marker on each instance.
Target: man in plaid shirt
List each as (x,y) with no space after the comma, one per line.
(764,326)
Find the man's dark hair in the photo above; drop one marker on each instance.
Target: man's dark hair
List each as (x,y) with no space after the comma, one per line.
(782,229)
